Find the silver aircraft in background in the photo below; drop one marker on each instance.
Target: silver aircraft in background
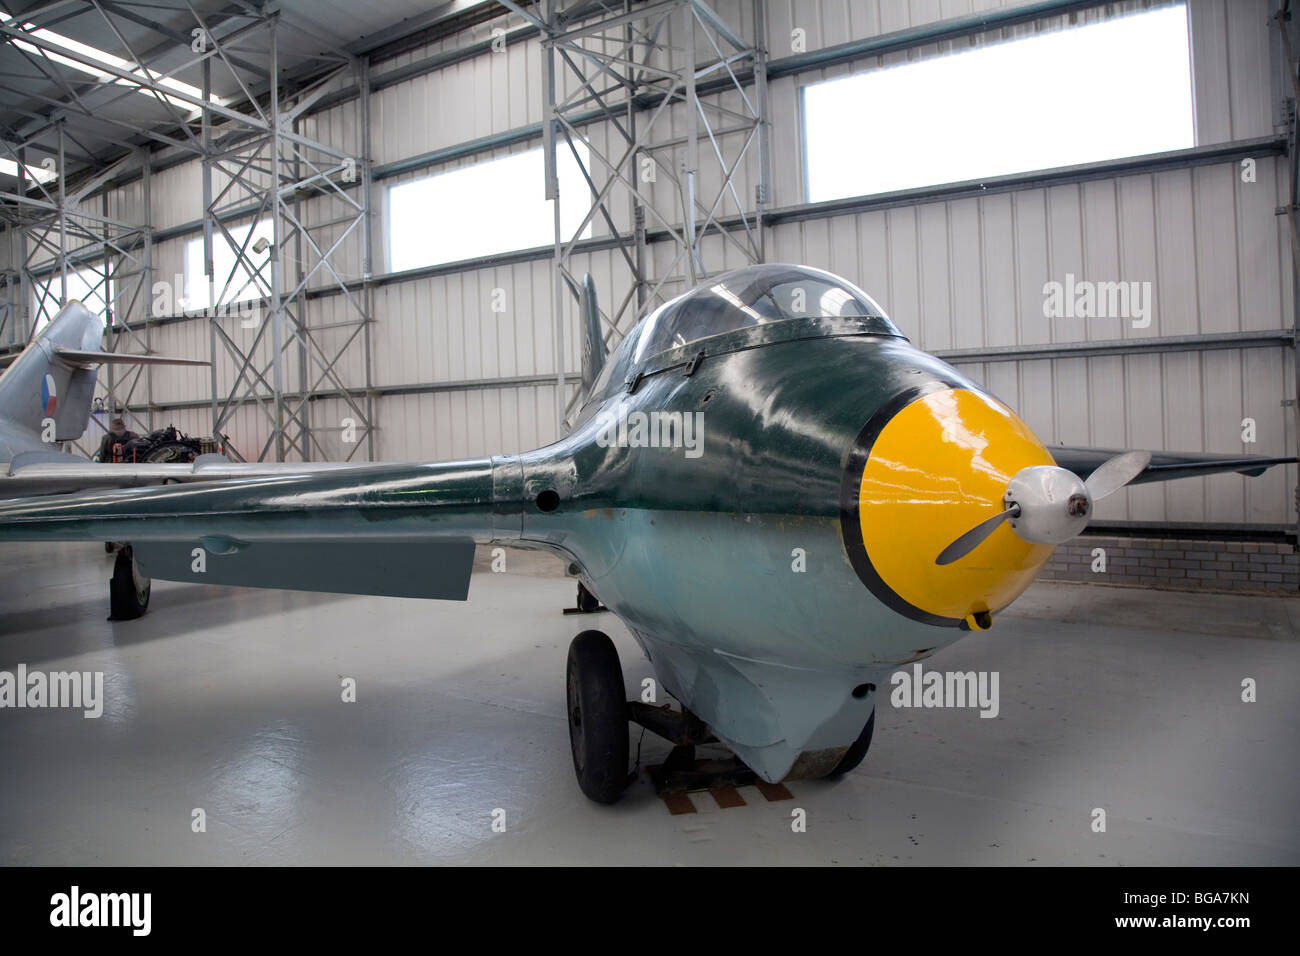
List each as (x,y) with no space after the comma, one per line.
(45,400)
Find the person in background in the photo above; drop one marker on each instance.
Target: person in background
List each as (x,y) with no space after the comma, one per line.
(110,448)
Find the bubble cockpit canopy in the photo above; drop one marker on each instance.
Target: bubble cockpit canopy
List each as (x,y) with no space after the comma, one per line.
(757,295)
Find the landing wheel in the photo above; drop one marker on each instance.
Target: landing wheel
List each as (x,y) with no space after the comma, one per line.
(853,756)
(597,716)
(128,589)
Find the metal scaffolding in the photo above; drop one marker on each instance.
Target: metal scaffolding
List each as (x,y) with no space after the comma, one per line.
(633,72)
(257,166)
(108,259)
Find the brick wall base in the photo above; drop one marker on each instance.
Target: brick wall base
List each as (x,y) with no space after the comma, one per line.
(1178,564)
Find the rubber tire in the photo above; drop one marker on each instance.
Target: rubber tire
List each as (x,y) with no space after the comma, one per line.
(854,755)
(128,590)
(597,713)
(586,600)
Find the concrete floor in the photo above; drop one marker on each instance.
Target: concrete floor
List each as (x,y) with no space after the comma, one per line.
(229,700)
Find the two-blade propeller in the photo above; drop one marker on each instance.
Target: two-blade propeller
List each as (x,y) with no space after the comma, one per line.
(969,541)
(1047,505)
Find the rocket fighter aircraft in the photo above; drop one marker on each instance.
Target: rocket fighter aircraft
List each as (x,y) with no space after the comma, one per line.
(771,418)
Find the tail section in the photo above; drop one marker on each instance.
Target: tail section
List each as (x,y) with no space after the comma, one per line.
(39,388)
(593,344)
(52,382)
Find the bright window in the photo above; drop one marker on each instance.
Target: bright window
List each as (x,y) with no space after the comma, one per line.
(1119,87)
(481,210)
(86,286)
(233,280)
(35,173)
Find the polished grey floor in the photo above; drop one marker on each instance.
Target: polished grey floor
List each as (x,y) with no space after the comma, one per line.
(230,701)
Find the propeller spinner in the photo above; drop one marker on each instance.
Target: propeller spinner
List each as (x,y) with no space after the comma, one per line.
(1048,505)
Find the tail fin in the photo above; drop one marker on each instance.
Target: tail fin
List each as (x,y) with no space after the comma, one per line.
(593,345)
(53,379)
(38,387)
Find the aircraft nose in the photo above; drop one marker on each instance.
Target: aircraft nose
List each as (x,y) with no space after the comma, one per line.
(920,476)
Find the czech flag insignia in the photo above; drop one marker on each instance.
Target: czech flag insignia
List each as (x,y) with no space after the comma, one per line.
(49,395)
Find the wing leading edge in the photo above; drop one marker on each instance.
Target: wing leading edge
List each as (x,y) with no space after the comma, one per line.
(1166,466)
(397,530)
(35,473)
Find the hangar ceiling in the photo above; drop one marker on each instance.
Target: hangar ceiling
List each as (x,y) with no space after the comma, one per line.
(62,63)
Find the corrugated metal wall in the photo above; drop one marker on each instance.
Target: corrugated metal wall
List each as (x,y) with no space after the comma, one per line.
(954,274)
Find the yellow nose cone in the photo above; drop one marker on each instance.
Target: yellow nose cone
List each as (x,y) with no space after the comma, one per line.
(936,469)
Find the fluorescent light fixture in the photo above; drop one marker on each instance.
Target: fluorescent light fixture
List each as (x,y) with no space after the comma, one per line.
(108,59)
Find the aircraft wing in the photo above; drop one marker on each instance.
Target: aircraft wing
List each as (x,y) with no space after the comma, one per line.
(404,530)
(43,473)
(1165,466)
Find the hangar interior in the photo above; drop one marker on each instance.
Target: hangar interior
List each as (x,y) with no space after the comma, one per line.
(375,219)
(360,330)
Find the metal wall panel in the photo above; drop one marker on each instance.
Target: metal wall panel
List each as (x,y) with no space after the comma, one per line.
(970,273)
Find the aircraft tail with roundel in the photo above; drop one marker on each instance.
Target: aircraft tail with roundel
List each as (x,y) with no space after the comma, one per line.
(46,393)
